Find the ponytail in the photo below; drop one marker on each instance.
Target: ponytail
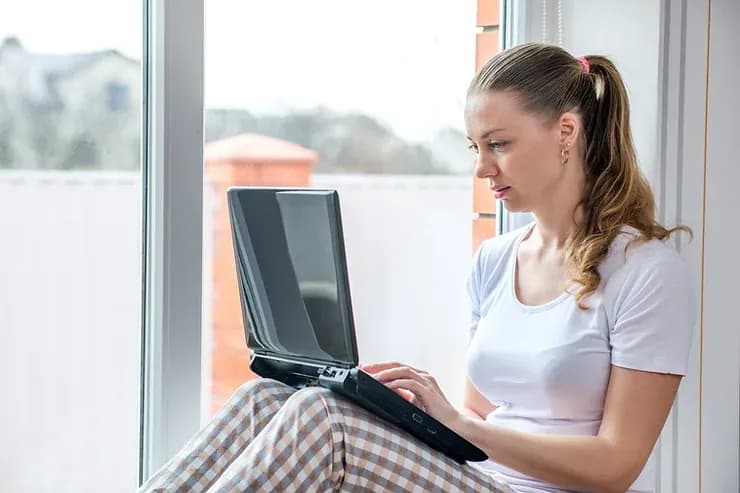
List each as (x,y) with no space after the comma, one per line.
(617,193)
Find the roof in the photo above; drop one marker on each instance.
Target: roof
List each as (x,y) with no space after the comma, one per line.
(35,73)
(255,147)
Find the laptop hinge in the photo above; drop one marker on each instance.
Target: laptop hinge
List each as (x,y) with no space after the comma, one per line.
(302,360)
(298,373)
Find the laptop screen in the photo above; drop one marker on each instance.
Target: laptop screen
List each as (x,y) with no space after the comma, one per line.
(292,271)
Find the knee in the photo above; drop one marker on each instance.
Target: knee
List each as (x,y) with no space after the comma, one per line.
(259,386)
(310,398)
(308,413)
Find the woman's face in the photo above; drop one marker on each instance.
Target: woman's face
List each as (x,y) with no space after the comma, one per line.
(516,151)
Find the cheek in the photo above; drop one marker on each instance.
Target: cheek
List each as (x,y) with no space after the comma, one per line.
(535,167)
(530,161)
(542,159)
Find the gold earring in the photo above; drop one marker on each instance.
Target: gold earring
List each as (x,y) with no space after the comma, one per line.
(564,155)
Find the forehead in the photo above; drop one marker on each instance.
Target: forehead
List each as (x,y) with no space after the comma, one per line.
(495,109)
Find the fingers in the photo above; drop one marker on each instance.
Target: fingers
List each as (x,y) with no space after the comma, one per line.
(377,367)
(407,384)
(416,389)
(404,372)
(390,371)
(406,394)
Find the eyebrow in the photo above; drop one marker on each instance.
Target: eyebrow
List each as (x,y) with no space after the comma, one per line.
(493,130)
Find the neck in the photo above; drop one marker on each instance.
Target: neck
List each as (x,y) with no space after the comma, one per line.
(552,230)
(556,220)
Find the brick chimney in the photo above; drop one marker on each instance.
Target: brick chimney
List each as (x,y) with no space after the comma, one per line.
(246,159)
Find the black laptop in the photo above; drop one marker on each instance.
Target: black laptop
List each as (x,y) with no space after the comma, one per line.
(295,298)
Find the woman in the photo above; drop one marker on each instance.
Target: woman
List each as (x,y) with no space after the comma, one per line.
(581,322)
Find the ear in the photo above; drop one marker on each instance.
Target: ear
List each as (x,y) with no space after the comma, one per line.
(569,126)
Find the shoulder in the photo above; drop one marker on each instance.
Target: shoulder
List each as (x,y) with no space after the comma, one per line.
(635,268)
(493,251)
(490,263)
(650,305)
(628,253)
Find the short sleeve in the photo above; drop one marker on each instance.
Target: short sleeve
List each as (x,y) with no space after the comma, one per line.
(654,315)
(474,293)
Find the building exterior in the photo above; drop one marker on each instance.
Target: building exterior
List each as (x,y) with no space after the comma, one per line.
(79,111)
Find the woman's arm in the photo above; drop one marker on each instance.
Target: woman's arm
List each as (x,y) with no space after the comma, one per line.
(636,407)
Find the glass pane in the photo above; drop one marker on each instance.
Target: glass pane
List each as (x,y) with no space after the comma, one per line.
(366,98)
(70,194)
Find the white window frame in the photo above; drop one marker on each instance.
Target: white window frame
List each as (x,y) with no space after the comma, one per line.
(173,228)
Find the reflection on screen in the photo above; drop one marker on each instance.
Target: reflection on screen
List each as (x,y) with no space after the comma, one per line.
(307,224)
(295,282)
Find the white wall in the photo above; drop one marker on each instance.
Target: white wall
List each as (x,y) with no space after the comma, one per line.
(720,366)
(699,83)
(70,324)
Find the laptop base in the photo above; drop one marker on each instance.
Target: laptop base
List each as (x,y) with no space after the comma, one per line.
(367,392)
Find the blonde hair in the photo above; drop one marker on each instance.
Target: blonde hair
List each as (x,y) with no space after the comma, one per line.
(548,81)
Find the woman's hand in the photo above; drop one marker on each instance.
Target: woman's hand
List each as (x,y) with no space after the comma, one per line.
(416,386)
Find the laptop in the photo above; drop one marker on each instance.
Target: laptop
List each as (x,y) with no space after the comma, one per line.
(295,298)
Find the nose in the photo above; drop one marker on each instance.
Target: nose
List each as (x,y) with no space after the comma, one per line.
(485,166)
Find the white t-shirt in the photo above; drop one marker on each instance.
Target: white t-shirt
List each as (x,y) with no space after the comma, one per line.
(547,367)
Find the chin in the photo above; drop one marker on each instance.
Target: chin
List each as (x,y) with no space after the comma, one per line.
(514,206)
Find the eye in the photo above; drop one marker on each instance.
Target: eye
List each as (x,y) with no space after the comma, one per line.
(473,148)
(496,146)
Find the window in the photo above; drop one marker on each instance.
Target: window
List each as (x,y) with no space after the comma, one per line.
(118,96)
(70,266)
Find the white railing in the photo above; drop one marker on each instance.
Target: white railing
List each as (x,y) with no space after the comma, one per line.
(69,318)
(70,309)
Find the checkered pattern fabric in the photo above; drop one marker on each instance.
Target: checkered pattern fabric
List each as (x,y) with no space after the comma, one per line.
(271,437)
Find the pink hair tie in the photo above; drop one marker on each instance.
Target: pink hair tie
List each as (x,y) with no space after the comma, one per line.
(584,63)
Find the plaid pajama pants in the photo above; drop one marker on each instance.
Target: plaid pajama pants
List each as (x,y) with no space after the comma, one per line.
(271,437)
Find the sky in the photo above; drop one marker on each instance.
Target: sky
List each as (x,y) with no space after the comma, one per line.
(405,62)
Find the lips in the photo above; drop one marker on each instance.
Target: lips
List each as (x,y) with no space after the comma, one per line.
(499,193)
